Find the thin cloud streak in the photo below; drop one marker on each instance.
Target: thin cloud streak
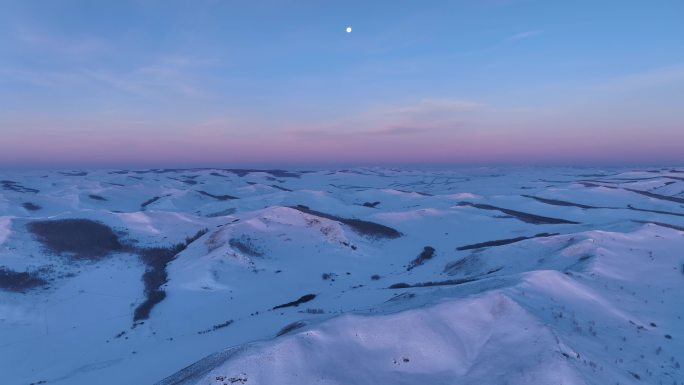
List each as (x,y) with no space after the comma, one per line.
(524,35)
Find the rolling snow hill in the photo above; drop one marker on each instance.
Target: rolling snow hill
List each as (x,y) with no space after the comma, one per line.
(360,276)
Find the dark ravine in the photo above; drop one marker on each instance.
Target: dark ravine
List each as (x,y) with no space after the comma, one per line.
(156,259)
(662,224)
(10,185)
(290,327)
(217,197)
(556,202)
(501,242)
(281,188)
(149,202)
(630,207)
(657,196)
(523,216)
(362,227)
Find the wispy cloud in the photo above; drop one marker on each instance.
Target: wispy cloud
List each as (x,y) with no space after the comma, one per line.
(524,35)
(428,107)
(421,117)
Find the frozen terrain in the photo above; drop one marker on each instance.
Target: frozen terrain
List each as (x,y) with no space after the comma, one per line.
(361,276)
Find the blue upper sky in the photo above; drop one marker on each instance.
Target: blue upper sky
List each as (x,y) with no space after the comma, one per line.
(280,82)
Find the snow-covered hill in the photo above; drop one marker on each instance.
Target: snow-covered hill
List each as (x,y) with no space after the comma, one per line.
(362,276)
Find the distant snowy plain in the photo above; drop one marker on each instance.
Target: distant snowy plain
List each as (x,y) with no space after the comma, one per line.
(360,276)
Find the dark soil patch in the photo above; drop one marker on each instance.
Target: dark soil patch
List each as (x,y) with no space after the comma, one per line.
(80,239)
(217,197)
(523,216)
(427,253)
(556,202)
(20,281)
(502,242)
(371,204)
(301,300)
(362,227)
(290,327)
(97,197)
(31,206)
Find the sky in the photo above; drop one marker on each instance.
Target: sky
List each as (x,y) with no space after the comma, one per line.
(281,83)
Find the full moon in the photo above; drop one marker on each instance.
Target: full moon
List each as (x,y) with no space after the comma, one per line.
(348,29)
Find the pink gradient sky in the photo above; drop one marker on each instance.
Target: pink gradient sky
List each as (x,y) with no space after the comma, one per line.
(450,82)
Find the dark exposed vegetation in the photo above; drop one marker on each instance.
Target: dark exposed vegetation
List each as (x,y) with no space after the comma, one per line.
(371,204)
(216,327)
(97,197)
(20,281)
(448,282)
(217,197)
(246,246)
(290,327)
(228,211)
(80,239)
(362,227)
(523,216)
(427,253)
(156,259)
(31,206)
(301,300)
(502,242)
